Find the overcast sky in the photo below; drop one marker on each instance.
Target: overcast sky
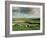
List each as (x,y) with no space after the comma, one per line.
(25,12)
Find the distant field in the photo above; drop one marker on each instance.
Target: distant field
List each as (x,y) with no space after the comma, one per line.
(21,24)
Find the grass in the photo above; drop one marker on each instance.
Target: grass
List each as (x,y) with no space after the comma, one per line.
(21,24)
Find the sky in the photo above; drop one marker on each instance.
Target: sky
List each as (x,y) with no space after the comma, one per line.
(25,12)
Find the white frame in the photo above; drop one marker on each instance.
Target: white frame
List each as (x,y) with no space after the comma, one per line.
(32,31)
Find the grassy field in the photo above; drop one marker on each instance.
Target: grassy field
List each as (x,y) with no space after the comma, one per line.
(21,24)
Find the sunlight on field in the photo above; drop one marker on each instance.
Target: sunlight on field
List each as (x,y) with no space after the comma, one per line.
(20,24)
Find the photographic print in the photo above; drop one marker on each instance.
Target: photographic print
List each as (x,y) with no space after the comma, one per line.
(24,18)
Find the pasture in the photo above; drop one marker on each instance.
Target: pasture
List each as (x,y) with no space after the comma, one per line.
(22,24)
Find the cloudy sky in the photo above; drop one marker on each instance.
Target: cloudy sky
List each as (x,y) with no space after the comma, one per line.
(25,12)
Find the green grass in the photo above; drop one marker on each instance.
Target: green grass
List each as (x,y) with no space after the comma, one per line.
(21,24)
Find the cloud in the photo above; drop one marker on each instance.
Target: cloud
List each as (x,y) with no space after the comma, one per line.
(24,12)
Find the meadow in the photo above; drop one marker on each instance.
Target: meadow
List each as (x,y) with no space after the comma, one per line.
(22,24)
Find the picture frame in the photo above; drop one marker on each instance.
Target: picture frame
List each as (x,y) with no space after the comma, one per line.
(12,6)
